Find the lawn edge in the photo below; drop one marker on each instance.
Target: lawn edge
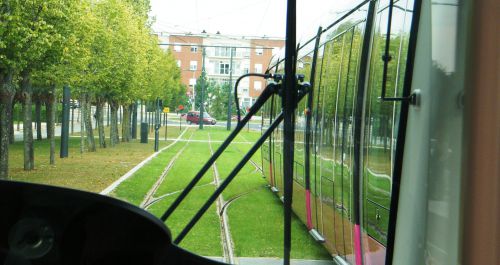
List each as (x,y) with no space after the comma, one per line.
(127,175)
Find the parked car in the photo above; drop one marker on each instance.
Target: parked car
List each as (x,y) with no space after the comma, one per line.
(194,117)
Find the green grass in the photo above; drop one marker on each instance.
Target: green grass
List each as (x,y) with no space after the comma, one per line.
(204,238)
(256,222)
(185,169)
(136,187)
(256,219)
(90,171)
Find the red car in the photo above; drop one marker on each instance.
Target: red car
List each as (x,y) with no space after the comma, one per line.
(194,117)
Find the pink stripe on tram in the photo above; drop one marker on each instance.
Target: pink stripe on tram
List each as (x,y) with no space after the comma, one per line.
(308,209)
(357,244)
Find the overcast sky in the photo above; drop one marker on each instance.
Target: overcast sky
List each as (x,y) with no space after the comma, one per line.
(245,17)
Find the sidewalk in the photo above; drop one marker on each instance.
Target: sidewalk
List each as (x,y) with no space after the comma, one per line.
(18,134)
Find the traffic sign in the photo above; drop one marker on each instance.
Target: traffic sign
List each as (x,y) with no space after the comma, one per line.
(166,110)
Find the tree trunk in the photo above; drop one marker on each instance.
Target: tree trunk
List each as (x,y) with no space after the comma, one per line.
(87,120)
(120,115)
(38,119)
(108,109)
(100,123)
(50,114)
(114,138)
(142,111)
(73,118)
(82,127)
(126,123)
(27,93)
(7,92)
(151,121)
(18,119)
(10,113)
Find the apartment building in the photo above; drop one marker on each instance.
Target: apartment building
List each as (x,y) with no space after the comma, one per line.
(242,54)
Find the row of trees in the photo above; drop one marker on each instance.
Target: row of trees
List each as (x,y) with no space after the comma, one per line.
(103,50)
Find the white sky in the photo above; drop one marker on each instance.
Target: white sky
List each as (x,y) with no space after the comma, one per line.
(245,17)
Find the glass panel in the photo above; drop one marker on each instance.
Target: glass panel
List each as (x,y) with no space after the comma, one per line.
(380,121)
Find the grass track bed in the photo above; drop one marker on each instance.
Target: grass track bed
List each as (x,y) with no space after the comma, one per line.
(255,219)
(204,238)
(136,187)
(185,169)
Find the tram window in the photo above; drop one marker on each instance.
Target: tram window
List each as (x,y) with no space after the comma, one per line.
(299,174)
(381,117)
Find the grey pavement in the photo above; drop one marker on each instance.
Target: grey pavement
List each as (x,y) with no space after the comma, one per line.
(173,119)
(278,261)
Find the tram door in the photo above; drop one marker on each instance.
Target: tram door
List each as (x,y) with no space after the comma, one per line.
(338,84)
(324,151)
(277,156)
(267,145)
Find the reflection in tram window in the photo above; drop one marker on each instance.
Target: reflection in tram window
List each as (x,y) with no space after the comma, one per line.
(380,123)
(336,90)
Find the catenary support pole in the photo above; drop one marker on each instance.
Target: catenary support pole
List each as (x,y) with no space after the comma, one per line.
(65,123)
(134,120)
(202,103)
(157,124)
(289,102)
(229,98)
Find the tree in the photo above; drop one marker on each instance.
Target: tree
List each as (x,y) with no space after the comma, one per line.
(219,103)
(26,39)
(66,61)
(103,49)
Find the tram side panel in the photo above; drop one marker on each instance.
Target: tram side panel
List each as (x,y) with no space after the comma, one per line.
(266,146)
(299,204)
(277,151)
(380,125)
(315,144)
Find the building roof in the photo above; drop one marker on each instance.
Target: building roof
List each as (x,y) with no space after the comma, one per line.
(221,36)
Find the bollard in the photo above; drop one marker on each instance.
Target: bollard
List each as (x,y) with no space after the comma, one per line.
(144,132)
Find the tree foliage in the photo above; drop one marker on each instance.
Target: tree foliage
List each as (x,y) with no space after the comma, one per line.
(104,50)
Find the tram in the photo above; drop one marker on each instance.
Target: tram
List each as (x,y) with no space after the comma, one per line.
(378,142)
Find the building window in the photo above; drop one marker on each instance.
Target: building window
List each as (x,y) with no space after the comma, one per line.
(224,51)
(257,85)
(276,50)
(223,68)
(246,67)
(258,68)
(179,63)
(259,50)
(193,65)
(192,82)
(177,48)
(194,48)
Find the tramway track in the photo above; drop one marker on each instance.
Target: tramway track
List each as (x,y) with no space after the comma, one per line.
(226,239)
(255,164)
(150,195)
